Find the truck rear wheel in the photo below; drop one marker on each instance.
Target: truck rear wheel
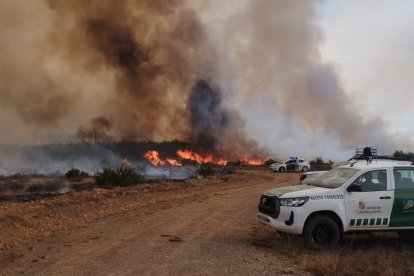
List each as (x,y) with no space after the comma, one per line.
(321,232)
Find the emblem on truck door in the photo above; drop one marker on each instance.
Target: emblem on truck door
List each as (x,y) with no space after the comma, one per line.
(408,204)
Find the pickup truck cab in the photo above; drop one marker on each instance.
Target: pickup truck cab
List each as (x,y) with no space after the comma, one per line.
(360,196)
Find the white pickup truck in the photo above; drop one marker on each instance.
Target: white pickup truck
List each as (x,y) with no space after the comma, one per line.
(359,196)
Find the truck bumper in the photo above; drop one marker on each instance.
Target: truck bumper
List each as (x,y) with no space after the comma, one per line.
(289,221)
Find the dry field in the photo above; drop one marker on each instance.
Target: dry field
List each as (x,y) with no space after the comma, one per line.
(192,227)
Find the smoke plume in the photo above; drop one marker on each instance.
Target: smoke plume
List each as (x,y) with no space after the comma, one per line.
(216,129)
(149,54)
(169,69)
(274,49)
(149,48)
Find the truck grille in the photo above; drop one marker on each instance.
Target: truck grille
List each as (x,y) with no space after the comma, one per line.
(269,205)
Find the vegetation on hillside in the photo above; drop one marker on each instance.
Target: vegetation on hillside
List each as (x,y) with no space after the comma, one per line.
(404,155)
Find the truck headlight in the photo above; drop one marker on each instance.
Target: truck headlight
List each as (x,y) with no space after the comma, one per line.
(294,201)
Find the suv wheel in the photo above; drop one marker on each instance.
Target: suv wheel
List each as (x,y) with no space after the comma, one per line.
(282,169)
(321,232)
(305,169)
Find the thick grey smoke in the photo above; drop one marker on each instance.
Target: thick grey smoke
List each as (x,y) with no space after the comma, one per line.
(216,129)
(274,49)
(55,159)
(208,121)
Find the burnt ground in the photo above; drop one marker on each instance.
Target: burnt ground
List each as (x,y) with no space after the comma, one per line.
(196,227)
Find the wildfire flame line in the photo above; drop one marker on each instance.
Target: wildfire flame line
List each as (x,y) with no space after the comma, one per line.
(255,162)
(155,160)
(153,157)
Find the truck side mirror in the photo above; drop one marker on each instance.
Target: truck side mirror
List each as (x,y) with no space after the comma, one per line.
(354,188)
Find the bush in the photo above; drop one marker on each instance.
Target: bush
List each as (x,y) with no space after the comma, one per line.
(317,161)
(207,169)
(122,176)
(76,173)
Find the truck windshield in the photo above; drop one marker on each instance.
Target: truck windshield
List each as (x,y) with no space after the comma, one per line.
(334,178)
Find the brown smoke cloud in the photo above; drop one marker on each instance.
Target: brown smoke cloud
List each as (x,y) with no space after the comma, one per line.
(144,54)
(122,70)
(98,130)
(149,48)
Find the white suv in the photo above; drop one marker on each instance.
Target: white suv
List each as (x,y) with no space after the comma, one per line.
(289,165)
(360,196)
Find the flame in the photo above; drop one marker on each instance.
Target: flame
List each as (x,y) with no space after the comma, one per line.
(254,162)
(193,156)
(155,160)
(222,162)
(173,162)
(153,157)
(190,155)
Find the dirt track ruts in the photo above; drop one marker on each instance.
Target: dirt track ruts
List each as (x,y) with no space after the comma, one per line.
(212,233)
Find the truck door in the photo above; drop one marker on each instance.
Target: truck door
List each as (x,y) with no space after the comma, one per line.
(371,207)
(403,207)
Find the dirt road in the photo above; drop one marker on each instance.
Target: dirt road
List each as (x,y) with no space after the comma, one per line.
(211,233)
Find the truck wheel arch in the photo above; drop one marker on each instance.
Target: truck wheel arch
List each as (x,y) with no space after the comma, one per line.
(330,214)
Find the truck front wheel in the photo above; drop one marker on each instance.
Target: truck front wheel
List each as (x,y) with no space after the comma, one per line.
(321,232)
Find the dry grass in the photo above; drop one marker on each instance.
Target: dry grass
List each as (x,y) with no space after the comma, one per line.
(380,260)
(24,221)
(362,254)
(379,253)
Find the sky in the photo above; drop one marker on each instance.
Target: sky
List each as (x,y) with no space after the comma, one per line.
(371,45)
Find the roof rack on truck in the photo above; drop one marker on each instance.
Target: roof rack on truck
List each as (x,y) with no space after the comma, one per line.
(369,153)
(365,152)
